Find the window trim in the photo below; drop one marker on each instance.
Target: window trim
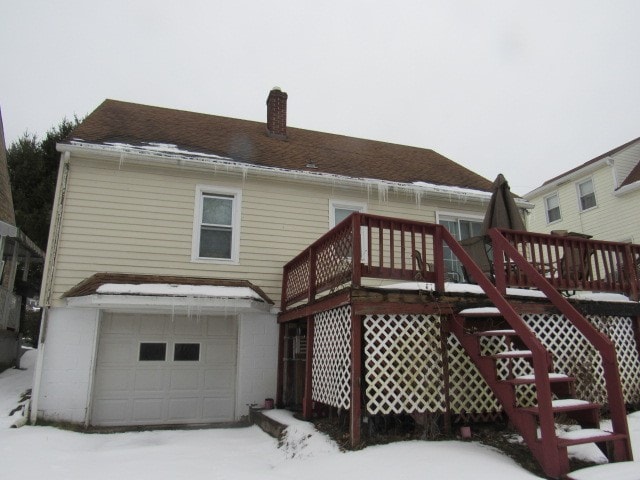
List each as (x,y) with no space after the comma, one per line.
(236,195)
(595,198)
(346,205)
(546,210)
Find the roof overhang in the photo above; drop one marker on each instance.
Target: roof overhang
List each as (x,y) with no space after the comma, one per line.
(177,294)
(7,230)
(189,305)
(570,177)
(195,160)
(632,187)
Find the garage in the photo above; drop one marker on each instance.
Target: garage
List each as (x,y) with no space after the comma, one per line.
(154,369)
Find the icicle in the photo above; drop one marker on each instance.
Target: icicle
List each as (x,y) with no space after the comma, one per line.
(383,192)
(121,161)
(245,171)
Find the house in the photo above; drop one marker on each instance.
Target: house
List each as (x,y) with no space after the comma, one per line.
(598,198)
(170,230)
(16,250)
(198,265)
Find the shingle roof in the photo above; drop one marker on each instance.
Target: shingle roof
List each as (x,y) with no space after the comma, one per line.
(89,286)
(247,141)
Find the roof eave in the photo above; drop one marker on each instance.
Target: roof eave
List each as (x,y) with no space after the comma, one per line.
(204,161)
(575,175)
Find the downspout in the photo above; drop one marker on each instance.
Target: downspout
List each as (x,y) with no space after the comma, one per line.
(52,250)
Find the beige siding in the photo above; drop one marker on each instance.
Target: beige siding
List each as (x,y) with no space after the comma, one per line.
(614,218)
(139,219)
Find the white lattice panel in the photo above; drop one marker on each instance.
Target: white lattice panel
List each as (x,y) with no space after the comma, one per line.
(403,364)
(331,366)
(471,397)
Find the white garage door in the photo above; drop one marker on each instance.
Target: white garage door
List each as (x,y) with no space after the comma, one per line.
(159,369)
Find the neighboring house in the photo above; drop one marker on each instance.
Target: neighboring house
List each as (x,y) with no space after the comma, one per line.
(598,198)
(15,249)
(168,239)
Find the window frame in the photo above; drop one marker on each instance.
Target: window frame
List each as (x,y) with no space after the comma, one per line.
(457,216)
(236,196)
(344,205)
(546,209)
(593,187)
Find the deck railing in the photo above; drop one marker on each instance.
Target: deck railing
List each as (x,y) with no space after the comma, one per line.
(571,263)
(373,246)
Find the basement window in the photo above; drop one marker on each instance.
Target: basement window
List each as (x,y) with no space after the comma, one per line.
(152,352)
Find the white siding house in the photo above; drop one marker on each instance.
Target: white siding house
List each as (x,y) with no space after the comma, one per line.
(169,234)
(599,198)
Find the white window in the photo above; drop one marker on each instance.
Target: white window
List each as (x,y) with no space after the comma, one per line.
(461,227)
(552,207)
(587,195)
(217,225)
(339,210)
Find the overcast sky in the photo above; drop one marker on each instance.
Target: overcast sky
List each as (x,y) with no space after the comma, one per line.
(525,88)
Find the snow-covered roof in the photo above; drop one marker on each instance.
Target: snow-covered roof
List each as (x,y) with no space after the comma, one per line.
(113,284)
(142,129)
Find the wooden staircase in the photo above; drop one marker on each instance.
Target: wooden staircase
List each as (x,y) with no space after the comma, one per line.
(554,391)
(536,423)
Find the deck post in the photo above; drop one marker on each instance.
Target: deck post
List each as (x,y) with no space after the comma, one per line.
(280,372)
(307,400)
(356,372)
(438,258)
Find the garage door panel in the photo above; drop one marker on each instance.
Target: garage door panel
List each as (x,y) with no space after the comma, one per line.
(182,379)
(111,412)
(132,392)
(185,409)
(219,379)
(114,381)
(186,326)
(149,380)
(117,324)
(118,351)
(151,325)
(220,352)
(148,410)
(225,327)
(219,409)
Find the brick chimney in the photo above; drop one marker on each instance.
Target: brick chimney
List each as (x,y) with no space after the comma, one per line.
(277,113)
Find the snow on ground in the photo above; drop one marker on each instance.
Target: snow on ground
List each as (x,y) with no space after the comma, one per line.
(34,452)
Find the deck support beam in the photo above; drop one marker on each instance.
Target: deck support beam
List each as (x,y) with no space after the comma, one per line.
(307,400)
(280,372)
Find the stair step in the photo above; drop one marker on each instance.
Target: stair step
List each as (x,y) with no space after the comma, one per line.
(530,379)
(618,471)
(513,354)
(587,435)
(495,333)
(481,312)
(565,405)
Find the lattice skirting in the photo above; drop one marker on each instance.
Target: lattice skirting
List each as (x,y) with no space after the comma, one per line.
(405,373)
(331,366)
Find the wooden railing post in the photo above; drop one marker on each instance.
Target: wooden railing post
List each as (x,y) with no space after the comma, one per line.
(356,255)
(631,273)
(438,258)
(499,267)
(312,274)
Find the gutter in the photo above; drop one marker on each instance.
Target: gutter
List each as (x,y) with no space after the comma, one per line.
(195,160)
